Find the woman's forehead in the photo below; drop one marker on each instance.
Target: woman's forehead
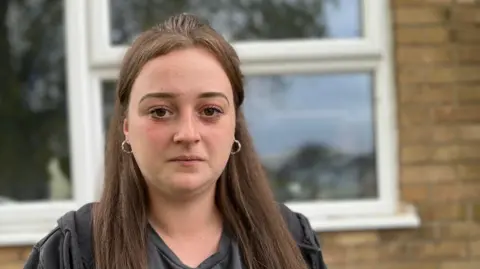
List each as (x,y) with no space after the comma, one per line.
(186,72)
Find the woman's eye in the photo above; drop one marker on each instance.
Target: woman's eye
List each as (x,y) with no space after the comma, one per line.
(211,111)
(159,113)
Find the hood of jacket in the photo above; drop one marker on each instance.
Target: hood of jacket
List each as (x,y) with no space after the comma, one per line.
(70,244)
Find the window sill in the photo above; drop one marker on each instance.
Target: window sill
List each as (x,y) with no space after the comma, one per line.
(15,235)
(27,223)
(406,218)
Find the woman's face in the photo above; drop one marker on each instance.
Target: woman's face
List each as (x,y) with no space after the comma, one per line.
(181,122)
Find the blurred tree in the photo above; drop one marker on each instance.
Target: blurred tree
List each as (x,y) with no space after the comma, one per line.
(367,174)
(32,99)
(317,171)
(236,19)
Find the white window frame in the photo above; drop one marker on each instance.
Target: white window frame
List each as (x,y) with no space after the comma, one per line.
(91,59)
(27,222)
(370,53)
(105,55)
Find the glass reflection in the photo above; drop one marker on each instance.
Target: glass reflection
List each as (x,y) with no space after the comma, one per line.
(246,19)
(34,152)
(314,134)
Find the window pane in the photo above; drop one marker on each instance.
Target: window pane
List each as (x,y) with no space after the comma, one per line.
(244,20)
(314,134)
(34,152)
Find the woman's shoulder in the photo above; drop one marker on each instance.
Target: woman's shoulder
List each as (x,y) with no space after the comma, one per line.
(67,246)
(305,237)
(46,252)
(298,225)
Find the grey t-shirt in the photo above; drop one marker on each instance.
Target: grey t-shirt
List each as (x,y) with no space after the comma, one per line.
(160,256)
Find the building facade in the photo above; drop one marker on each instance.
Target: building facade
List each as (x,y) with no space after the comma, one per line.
(413,67)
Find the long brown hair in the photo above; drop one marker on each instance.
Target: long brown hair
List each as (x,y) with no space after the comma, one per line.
(243,194)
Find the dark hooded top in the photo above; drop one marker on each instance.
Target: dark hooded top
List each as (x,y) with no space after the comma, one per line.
(69,246)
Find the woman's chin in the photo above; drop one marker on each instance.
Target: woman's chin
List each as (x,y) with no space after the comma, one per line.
(190,183)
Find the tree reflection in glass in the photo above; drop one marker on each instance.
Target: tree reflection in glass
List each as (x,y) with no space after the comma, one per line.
(244,19)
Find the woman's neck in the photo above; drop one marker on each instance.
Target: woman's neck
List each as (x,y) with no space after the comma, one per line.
(185,219)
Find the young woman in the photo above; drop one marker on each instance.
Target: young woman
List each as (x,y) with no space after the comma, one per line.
(184,187)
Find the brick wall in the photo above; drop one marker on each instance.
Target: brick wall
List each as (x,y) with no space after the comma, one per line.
(13,257)
(437,48)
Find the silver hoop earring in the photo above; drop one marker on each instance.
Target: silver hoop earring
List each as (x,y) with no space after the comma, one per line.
(237,148)
(124,149)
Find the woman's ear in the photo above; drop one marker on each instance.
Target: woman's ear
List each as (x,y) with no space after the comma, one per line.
(125,127)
